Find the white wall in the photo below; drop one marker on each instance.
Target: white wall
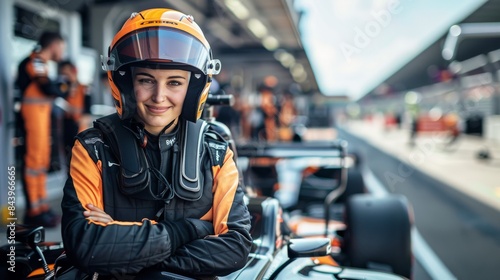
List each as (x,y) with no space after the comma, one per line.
(6,151)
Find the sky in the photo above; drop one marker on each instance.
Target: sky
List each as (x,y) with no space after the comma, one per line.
(353,45)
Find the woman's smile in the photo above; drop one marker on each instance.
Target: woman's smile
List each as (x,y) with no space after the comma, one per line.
(157,110)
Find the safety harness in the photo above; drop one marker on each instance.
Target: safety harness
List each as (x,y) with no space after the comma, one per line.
(127,140)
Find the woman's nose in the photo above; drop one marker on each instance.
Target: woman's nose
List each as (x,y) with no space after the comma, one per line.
(159,94)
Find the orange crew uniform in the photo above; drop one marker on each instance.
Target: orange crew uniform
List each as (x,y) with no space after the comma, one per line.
(270,115)
(450,122)
(286,117)
(38,92)
(78,102)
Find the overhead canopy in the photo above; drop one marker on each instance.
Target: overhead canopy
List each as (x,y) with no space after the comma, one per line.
(252,38)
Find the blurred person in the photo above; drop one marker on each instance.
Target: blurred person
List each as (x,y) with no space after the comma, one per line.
(451,125)
(397,116)
(264,117)
(245,110)
(152,187)
(38,92)
(268,105)
(413,114)
(76,116)
(390,121)
(256,122)
(286,117)
(413,130)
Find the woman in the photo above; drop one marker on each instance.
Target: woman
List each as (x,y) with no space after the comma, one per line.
(153,187)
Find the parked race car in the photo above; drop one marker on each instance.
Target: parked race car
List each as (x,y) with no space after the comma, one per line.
(322,194)
(300,227)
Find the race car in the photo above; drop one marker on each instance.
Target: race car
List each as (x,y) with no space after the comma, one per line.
(321,194)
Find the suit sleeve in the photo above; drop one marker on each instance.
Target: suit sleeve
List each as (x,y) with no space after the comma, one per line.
(118,247)
(228,250)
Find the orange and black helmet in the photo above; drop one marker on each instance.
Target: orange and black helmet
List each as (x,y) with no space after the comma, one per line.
(161,39)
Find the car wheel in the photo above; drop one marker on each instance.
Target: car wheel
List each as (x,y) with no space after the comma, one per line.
(378,234)
(355,184)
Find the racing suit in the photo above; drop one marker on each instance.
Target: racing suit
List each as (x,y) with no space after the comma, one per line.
(38,92)
(170,234)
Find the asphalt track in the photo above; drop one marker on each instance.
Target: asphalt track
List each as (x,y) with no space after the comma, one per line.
(462,232)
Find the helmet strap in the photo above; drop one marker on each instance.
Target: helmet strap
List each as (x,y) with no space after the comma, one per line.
(167,127)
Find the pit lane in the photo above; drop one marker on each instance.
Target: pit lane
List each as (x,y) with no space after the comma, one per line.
(462,232)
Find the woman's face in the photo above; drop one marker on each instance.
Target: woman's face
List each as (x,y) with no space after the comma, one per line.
(160,94)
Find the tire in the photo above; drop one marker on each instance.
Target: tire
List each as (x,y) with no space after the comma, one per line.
(355,184)
(378,234)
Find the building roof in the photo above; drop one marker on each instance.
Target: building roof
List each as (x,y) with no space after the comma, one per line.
(227,26)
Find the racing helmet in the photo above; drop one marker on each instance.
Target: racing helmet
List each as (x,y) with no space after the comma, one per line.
(161,39)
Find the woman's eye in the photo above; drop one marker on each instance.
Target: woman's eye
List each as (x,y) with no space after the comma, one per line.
(174,83)
(146,81)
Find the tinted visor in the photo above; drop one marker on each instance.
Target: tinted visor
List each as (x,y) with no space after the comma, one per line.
(159,45)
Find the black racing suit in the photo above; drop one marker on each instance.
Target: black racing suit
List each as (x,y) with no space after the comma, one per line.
(168,234)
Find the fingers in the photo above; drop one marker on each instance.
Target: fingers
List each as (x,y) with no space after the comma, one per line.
(94,208)
(97,215)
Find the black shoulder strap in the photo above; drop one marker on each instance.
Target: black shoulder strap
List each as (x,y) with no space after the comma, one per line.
(187,178)
(188,175)
(217,145)
(89,139)
(124,144)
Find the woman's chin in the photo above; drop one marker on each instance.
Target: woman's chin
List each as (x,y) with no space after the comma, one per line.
(155,123)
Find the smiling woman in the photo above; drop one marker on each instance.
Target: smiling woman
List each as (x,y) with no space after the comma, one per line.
(153,187)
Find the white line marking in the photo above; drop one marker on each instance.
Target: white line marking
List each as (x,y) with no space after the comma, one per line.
(428,259)
(373,185)
(421,250)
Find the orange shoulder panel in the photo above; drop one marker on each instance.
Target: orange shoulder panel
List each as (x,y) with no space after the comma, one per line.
(225,186)
(86,176)
(87,181)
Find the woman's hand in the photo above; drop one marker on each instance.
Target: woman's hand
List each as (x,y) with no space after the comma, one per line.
(97,215)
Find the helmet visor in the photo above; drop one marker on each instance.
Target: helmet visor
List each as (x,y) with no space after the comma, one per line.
(158,45)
